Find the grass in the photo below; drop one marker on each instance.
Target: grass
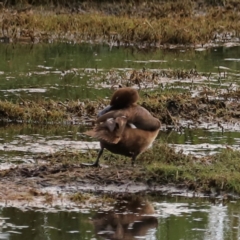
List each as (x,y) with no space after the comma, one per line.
(168,105)
(46,111)
(160,165)
(220,172)
(149,24)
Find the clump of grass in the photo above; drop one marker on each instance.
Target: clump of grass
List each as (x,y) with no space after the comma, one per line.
(29,112)
(168,105)
(220,173)
(80,197)
(68,158)
(47,111)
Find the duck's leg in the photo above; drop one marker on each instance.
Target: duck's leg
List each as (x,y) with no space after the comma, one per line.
(96,163)
(133,159)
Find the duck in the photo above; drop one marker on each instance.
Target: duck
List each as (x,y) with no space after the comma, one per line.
(137,212)
(124,127)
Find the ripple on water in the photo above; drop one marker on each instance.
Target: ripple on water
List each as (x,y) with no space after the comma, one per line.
(203,149)
(30,90)
(24,148)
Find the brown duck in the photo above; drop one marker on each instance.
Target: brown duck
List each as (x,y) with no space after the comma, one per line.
(124,127)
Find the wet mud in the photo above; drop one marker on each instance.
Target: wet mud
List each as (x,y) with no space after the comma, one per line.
(57,185)
(68,185)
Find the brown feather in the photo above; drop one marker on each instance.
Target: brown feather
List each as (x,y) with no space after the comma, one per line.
(124,97)
(105,131)
(113,128)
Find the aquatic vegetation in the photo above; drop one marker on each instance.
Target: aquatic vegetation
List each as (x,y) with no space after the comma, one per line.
(146,78)
(46,111)
(169,105)
(79,197)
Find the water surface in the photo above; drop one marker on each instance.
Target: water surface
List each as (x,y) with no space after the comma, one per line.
(64,71)
(160,218)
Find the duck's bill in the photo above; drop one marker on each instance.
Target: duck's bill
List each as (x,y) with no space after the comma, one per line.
(105,110)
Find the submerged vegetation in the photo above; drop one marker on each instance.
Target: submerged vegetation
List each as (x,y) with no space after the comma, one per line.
(142,23)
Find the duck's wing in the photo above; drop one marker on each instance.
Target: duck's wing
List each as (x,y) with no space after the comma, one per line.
(140,117)
(110,131)
(109,115)
(143,119)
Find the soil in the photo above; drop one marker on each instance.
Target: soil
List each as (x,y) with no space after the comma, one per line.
(50,185)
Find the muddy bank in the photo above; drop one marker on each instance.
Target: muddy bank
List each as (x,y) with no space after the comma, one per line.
(59,179)
(70,186)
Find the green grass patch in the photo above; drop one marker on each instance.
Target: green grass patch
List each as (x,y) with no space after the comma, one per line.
(216,173)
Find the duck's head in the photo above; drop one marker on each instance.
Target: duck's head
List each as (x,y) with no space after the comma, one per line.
(124,97)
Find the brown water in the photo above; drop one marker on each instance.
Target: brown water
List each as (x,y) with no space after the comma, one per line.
(64,71)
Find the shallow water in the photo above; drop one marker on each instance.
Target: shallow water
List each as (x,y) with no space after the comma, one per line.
(21,143)
(157,218)
(64,71)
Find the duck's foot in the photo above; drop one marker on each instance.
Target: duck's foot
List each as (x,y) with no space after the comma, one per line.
(133,161)
(96,163)
(90,164)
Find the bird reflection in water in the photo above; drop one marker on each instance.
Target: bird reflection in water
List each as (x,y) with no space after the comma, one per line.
(131,217)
